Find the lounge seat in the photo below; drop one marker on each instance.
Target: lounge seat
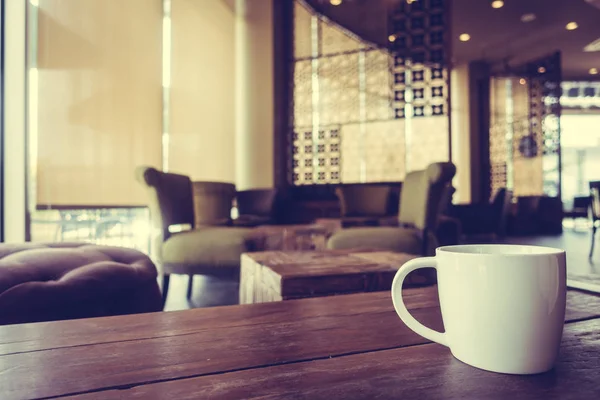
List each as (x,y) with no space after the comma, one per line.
(195,234)
(48,282)
(420,205)
(214,248)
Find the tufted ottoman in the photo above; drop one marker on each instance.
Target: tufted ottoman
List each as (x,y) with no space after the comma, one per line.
(45,282)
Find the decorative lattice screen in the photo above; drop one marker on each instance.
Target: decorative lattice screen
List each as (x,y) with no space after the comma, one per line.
(525,129)
(362,113)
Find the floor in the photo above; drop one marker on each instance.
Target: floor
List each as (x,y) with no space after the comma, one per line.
(208,292)
(575,242)
(211,292)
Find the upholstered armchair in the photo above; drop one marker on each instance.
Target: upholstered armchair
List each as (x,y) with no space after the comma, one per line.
(363,200)
(255,207)
(362,204)
(204,249)
(212,203)
(595,194)
(580,210)
(422,193)
(484,219)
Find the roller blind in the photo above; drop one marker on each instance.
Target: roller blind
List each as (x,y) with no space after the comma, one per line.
(95,99)
(201,110)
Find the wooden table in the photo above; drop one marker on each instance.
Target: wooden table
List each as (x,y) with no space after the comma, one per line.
(285,275)
(587,282)
(350,347)
(335,224)
(289,237)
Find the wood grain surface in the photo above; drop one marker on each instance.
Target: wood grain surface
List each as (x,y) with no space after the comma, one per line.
(52,335)
(283,275)
(75,357)
(288,237)
(421,372)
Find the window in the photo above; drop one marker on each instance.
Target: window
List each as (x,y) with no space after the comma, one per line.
(362,113)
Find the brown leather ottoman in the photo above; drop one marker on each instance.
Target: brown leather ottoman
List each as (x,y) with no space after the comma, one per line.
(46,282)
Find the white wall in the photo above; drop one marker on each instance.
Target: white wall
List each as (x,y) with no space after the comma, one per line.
(254,93)
(14,121)
(461,128)
(221,111)
(221,97)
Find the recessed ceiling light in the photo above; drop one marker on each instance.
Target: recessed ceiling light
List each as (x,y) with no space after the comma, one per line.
(335,2)
(541,70)
(528,17)
(593,71)
(497,4)
(571,26)
(392,38)
(464,37)
(522,81)
(594,46)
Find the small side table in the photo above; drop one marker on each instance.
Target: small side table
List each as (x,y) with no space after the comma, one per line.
(284,275)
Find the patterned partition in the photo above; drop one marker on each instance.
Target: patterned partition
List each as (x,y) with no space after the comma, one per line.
(525,129)
(363,113)
(545,115)
(500,135)
(421,79)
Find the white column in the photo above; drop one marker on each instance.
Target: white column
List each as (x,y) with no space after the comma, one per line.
(14,179)
(469,116)
(254,93)
(461,132)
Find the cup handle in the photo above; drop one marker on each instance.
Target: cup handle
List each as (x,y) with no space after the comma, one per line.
(400,307)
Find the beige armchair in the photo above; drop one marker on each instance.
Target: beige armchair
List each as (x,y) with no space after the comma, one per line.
(256,207)
(422,193)
(363,200)
(212,203)
(208,248)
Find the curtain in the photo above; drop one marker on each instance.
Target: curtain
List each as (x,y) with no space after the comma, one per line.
(95,100)
(201,107)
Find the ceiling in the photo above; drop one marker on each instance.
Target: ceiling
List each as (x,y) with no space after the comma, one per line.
(497,35)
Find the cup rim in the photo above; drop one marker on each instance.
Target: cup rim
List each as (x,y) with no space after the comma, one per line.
(496,250)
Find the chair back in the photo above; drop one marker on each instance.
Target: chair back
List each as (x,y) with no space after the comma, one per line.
(171,198)
(258,202)
(363,200)
(213,202)
(595,193)
(422,192)
(501,207)
(446,199)
(582,203)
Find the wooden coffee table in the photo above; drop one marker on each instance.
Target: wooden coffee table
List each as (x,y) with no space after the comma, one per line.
(288,237)
(284,275)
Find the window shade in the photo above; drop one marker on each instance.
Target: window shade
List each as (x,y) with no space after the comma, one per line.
(95,100)
(201,110)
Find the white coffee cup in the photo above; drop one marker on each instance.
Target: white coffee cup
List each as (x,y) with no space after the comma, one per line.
(503,306)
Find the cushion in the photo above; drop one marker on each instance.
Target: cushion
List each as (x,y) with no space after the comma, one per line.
(207,249)
(251,220)
(402,240)
(258,202)
(212,202)
(363,200)
(45,282)
(421,194)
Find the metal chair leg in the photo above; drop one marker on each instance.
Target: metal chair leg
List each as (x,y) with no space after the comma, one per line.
(165,287)
(190,287)
(593,241)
